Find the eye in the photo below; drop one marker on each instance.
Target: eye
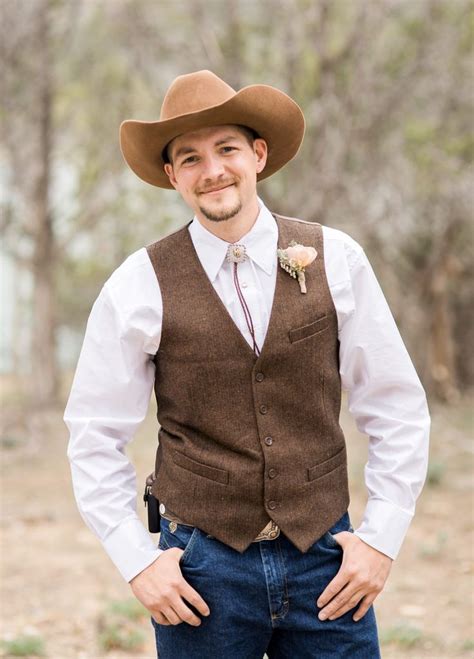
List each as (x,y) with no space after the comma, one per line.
(228,149)
(189,160)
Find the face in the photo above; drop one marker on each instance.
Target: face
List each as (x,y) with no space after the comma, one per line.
(215,171)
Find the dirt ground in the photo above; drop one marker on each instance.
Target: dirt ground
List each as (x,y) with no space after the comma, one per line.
(58,583)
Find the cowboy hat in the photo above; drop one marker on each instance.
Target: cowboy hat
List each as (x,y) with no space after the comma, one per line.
(201,99)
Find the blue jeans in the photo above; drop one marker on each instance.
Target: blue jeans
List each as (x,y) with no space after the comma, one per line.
(262,601)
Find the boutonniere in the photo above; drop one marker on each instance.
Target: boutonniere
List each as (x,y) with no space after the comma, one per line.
(294,260)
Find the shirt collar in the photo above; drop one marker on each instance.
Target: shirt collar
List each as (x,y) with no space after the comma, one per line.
(260,241)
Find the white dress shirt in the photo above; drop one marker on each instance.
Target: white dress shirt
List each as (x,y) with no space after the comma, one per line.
(115,375)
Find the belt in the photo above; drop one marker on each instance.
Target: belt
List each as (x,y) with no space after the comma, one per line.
(269,532)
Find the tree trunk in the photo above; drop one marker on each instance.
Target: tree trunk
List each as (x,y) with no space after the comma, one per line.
(439,280)
(441,343)
(45,378)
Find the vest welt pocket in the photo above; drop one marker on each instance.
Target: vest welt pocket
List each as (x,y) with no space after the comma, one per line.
(201,469)
(328,465)
(305,331)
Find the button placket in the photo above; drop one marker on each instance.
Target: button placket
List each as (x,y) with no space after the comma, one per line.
(263,409)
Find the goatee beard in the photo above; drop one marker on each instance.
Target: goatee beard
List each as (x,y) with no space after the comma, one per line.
(221,216)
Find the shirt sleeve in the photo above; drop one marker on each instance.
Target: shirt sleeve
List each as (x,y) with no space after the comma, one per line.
(389,405)
(109,399)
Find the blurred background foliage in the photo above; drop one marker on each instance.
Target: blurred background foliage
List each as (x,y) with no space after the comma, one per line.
(386,87)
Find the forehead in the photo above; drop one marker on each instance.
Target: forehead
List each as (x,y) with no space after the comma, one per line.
(208,134)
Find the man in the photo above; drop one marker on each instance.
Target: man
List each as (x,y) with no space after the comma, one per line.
(247,323)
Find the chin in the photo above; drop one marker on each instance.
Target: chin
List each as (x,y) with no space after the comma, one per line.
(221,213)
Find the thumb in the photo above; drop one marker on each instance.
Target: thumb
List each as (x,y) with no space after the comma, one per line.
(343,537)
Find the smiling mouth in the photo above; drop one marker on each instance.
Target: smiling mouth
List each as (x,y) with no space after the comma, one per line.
(216,190)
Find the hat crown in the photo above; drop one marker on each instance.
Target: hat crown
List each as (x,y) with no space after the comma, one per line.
(194,92)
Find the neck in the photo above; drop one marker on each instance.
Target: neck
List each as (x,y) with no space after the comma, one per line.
(233,229)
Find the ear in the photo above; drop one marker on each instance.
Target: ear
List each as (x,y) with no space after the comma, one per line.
(261,152)
(170,173)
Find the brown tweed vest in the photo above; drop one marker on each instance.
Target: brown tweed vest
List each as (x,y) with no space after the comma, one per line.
(245,439)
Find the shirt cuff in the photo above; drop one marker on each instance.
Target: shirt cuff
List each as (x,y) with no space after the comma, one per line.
(131,548)
(384,526)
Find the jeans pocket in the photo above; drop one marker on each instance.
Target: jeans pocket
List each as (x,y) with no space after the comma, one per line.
(182,536)
(343,524)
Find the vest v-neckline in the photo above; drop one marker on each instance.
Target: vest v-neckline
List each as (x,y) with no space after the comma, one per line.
(276,295)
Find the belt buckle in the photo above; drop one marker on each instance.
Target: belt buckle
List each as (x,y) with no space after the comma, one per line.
(270,532)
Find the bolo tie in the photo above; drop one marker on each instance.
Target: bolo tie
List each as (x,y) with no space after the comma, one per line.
(237,254)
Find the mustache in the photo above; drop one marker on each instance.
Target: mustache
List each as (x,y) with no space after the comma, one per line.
(215,186)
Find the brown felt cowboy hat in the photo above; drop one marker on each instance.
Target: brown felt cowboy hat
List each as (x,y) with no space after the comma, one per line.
(201,99)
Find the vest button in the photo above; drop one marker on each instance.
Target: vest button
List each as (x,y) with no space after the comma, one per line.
(259,377)
(272,473)
(272,505)
(263,409)
(268,441)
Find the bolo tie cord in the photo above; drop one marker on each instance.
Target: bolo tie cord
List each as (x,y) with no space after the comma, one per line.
(237,254)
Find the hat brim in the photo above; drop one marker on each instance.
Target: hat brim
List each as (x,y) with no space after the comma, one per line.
(268,111)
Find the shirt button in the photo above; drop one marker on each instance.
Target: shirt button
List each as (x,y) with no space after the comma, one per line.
(272,505)
(268,441)
(259,377)
(263,409)
(244,284)
(162,508)
(272,473)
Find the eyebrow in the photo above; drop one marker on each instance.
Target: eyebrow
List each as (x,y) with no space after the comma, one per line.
(183,150)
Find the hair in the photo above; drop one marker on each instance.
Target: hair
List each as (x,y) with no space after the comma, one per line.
(249,133)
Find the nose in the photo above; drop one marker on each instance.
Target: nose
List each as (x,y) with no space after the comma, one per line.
(213,167)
